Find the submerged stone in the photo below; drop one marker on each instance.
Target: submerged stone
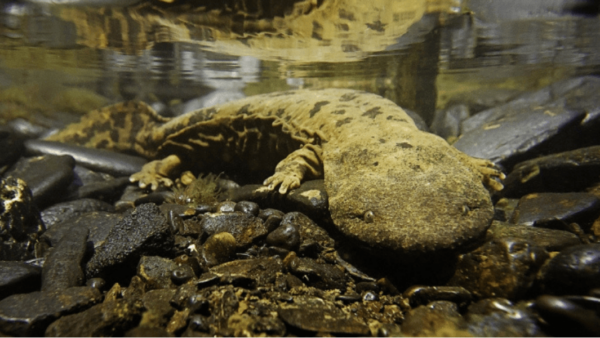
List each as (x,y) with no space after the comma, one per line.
(60,212)
(62,268)
(219,248)
(48,183)
(318,315)
(157,272)
(568,316)
(439,318)
(503,267)
(320,275)
(145,231)
(423,295)
(575,270)
(256,271)
(549,239)
(549,119)
(498,317)
(111,318)
(18,277)
(29,314)
(563,172)
(555,210)
(99,224)
(244,227)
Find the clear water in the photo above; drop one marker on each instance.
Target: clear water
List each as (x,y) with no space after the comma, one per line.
(56,60)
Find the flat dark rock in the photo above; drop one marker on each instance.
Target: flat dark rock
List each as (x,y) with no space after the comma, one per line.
(145,231)
(111,162)
(156,272)
(549,119)
(423,295)
(549,239)
(498,317)
(62,211)
(260,270)
(554,210)
(99,223)
(110,318)
(244,227)
(62,268)
(18,277)
(562,172)
(500,268)
(318,315)
(11,145)
(575,270)
(29,314)
(435,319)
(47,176)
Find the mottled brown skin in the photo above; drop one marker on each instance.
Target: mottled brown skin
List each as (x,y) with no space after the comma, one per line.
(390,185)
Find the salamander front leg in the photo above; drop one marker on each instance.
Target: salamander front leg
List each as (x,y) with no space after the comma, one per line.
(156,173)
(289,173)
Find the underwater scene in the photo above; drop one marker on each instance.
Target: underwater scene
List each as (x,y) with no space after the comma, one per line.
(299,168)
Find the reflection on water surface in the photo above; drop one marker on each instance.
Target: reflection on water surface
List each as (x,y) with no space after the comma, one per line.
(421,54)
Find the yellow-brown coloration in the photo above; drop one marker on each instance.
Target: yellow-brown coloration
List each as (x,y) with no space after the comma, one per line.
(390,185)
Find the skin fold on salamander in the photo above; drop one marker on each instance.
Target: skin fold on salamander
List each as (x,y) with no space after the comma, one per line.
(390,185)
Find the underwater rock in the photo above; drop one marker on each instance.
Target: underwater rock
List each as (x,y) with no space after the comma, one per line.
(570,316)
(47,184)
(144,331)
(255,326)
(99,224)
(96,283)
(285,236)
(498,317)
(62,268)
(11,145)
(563,172)
(319,315)
(18,277)
(245,228)
(264,214)
(439,318)
(253,272)
(247,207)
(110,318)
(308,229)
(158,309)
(575,270)
(549,239)
(310,198)
(505,208)
(423,295)
(29,314)
(446,123)
(19,218)
(225,207)
(555,210)
(320,275)
(110,162)
(89,184)
(219,248)
(156,272)
(62,211)
(503,267)
(548,120)
(145,231)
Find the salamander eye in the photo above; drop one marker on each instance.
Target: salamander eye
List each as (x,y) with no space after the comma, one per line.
(369,216)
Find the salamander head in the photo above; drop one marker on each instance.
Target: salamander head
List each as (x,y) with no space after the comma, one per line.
(407,206)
